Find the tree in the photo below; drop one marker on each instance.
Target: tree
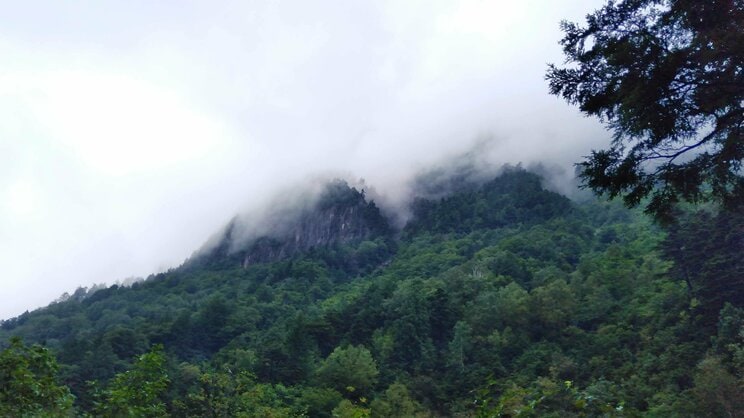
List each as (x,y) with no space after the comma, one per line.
(215,393)
(138,391)
(717,393)
(346,409)
(349,369)
(28,383)
(706,250)
(396,402)
(668,78)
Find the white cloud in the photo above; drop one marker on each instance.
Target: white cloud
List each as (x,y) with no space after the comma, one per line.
(130,131)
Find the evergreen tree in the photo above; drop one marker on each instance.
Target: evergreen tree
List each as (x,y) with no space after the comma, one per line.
(668,78)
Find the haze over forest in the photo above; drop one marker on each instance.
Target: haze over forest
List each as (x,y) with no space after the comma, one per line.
(372,210)
(130,132)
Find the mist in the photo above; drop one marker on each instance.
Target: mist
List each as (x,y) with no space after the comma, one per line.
(131,132)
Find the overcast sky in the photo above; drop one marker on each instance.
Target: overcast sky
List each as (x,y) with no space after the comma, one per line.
(131,130)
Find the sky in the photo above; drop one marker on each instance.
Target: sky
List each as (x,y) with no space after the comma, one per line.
(131,131)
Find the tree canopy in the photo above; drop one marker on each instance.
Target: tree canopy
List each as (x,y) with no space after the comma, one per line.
(29,385)
(495,301)
(667,76)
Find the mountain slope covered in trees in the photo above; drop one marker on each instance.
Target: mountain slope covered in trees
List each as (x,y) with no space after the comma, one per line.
(498,299)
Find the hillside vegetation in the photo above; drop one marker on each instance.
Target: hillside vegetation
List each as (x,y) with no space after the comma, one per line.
(501,299)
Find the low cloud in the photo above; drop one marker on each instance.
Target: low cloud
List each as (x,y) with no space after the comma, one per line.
(131,132)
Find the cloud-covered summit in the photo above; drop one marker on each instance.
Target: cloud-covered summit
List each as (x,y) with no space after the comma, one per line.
(131,131)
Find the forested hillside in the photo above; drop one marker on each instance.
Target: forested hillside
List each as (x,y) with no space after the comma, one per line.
(498,299)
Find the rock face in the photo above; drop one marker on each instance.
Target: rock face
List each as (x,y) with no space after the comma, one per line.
(336,223)
(341,215)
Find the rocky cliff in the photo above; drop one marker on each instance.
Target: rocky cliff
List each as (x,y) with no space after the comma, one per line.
(341,215)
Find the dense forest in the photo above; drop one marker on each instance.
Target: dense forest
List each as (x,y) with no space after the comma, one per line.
(498,298)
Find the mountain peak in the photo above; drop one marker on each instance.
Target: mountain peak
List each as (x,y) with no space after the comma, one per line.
(340,214)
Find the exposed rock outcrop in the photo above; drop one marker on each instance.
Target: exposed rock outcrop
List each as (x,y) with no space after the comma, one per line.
(341,215)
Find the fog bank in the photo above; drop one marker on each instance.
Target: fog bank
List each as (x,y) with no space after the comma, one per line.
(131,131)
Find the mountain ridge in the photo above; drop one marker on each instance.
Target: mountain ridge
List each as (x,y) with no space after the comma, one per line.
(502,293)
(340,215)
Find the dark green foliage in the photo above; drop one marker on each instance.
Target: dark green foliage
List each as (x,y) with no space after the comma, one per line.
(137,392)
(515,197)
(666,75)
(349,370)
(717,392)
(729,342)
(396,402)
(706,249)
(549,398)
(210,393)
(557,309)
(29,386)
(320,402)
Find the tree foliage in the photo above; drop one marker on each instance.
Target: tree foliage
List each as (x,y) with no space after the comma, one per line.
(564,310)
(704,247)
(29,385)
(137,392)
(349,370)
(668,77)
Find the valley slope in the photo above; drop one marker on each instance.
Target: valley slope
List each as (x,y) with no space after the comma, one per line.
(497,297)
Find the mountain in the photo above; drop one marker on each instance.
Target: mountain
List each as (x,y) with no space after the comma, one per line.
(339,216)
(496,296)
